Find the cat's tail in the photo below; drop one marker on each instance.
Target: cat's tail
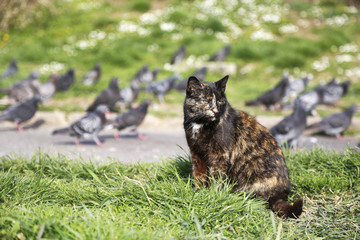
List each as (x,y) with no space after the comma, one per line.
(286,210)
(254,102)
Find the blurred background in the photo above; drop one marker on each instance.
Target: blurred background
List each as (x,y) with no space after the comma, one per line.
(267,38)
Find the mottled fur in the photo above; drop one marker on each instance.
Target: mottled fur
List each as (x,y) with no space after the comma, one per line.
(228,142)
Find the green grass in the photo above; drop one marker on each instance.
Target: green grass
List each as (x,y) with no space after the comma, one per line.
(55,32)
(54,197)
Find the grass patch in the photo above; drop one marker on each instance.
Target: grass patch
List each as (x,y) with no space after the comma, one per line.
(55,197)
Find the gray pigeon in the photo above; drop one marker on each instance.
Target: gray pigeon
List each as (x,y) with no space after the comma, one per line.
(21,112)
(93,75)
(199,74)
(128,95)
(221,55)
(289,129)
(107,97)
(161,88)
(179,55)
(87,127)
(311,99)
(11,70)
(143,75)
(336,123)
(149,76)
(64,82)
(273,96)
(296,86)
(24,89)
(333,91)
(47,90)
(131,119)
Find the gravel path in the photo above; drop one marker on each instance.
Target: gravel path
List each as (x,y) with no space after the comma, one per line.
(165,138)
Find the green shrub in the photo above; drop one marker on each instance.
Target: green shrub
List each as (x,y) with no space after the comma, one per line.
(215,25)
(332,37)
(254,50)
(285,59)
(141,5)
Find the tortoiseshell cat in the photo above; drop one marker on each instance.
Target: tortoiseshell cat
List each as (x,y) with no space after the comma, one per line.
(225,141)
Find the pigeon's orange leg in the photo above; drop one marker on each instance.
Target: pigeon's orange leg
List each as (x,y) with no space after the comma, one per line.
(141,136)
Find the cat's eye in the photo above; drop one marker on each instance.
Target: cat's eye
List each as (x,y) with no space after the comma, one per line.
(220,102)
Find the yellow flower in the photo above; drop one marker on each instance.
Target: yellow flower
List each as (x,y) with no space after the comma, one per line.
(6,37)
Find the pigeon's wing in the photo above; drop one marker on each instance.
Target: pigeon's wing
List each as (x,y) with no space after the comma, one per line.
(89,124)
(332,93)
(90,77)
(21,112)
(335,121)
(127,119)
(285,126)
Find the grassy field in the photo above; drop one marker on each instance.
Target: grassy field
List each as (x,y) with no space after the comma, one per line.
(267,38)
(52,197)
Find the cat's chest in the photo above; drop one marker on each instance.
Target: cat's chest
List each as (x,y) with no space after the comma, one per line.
(200,133)
(196,128)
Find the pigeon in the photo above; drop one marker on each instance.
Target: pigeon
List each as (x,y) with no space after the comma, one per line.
(161,88)
(93,75)
(199,74)
(149,76)
(335,124)
(273,96)
(107,97)
(24,89)
(47,90)
(296,86)
(311,99)
(289,129)
(334,91)
(139,74)
(63,82)
(87,127)
(178,55)
(221,55)
(128,95)
(21,112)
(131,119)
(11,70)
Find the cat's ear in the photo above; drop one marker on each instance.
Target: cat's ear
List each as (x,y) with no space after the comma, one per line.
(193,84)
(221,84)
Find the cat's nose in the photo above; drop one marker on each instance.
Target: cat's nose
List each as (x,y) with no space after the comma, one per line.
(215,111)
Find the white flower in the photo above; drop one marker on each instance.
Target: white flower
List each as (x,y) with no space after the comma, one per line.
(303,23)
(97,35)
(167,27)
(321,65)
(337,20)
(348,48)
(354,72)
(271,17)
(52,67)
(289,28)
(351,9)
(343,58)
(153,47)
(262,35)
(317,11)
(131,27)
(84,44)
(148,18)
(222,36)
(168,67)
(176,36)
